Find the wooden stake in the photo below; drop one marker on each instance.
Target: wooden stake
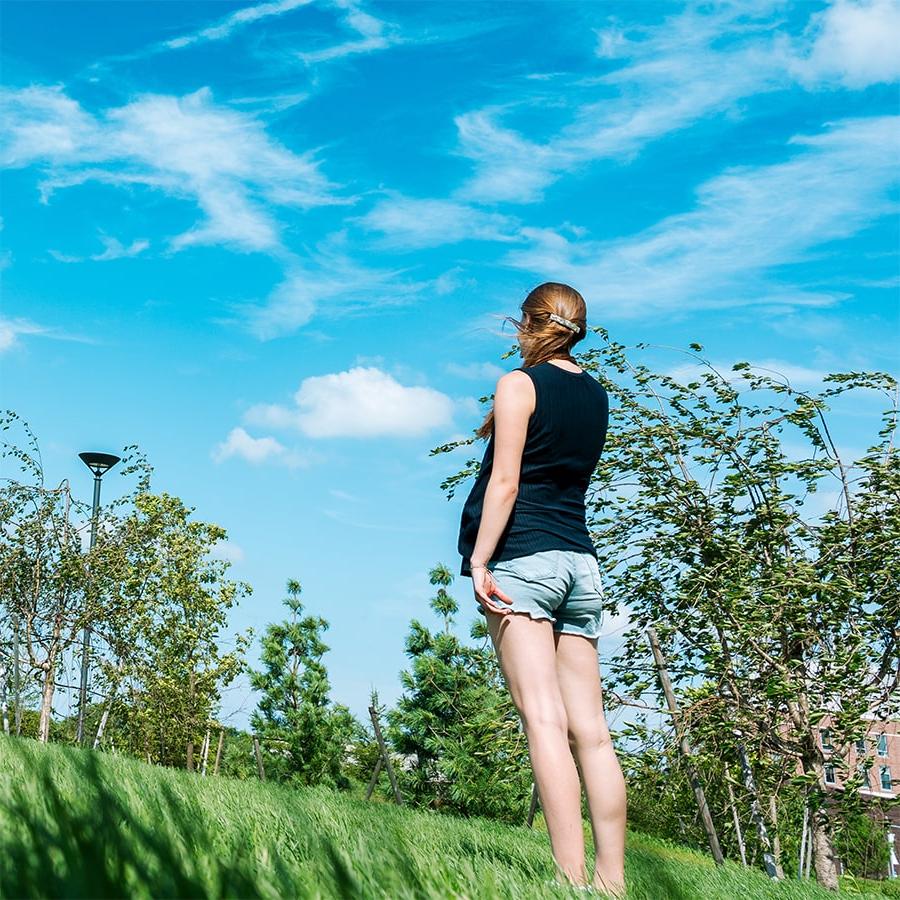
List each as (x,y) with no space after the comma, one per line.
(686,751)
(737,823)
(259,763)
(5,708)
(219,751)
(756,813)
(374,779)
(800,872)
(532,807)
(384,753)
(204,755)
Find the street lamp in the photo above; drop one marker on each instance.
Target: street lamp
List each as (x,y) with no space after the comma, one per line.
(99,464)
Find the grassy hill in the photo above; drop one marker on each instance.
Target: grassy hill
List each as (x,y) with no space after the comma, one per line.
(78,824)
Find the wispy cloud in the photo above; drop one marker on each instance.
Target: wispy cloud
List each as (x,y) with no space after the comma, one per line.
(328,280)
(697,63)
(112,249)
(370,33)
(231,23)
(187,147)
(362,402)
(410,223)
(747,221)
(12,328)
(257,451)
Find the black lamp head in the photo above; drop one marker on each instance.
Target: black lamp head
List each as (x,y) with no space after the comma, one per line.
(99,463)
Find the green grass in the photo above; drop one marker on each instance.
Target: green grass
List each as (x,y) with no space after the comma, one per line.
(79,824)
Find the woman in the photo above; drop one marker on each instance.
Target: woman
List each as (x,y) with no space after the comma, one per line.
(524,542)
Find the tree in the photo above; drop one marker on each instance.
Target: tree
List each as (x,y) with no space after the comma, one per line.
(457,721)
(304,732)
(50,588)
(172,600)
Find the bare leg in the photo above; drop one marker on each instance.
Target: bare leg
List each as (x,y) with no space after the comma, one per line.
(526,652)
(579,682)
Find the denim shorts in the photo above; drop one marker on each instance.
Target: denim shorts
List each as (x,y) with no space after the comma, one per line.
(563,586)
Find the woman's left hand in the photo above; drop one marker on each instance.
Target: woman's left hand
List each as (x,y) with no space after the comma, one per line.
(486,588)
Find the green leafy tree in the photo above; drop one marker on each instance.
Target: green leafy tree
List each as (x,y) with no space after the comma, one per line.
(305,735)
(51,586)
(167,641)
(456,723)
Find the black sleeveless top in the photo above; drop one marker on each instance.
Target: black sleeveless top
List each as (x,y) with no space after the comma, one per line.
(565,437)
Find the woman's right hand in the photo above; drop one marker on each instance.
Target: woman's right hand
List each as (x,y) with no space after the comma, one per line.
(486,588)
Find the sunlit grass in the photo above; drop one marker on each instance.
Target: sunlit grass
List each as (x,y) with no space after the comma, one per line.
(79,824)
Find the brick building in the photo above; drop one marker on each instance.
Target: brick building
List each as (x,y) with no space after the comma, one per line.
(876,758)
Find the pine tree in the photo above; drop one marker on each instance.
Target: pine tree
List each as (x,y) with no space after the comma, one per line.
(457,721)
(303,733)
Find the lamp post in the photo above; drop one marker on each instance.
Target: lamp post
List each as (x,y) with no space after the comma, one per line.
(99,464)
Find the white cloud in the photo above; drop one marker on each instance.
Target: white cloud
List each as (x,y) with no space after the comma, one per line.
(370,33)
(187,147)
(112,249)
(257,451)
(747,221)
(411,223)
(234,21)
(854,43)
(361,402)
(10,329)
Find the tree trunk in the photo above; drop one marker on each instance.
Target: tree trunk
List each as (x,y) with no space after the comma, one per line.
(3,701)
(102,726)
(776,841)
(820,823)
(47,691)
(823,850)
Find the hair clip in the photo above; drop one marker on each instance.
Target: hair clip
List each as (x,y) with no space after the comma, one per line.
(568,323)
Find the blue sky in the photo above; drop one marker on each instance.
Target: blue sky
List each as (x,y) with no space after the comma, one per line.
(269,243)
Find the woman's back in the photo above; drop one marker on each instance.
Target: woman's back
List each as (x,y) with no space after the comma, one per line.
(565,438)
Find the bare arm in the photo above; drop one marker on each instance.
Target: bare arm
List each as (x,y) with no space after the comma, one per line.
(514,402)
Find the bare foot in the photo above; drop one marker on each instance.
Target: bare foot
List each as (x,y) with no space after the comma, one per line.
(608,887)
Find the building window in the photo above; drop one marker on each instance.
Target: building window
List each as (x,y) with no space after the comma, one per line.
(861,747)
(886,784)
(882,744)
(826,739)
(863,770)
(829,775)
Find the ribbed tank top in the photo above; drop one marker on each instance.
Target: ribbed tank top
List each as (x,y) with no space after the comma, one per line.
(566,434)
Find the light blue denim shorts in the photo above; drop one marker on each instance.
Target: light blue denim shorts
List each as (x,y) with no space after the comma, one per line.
(563,586)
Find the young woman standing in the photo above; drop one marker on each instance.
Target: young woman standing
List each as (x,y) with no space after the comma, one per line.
(524,542)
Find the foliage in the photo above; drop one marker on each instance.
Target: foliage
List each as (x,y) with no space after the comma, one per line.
(860,843)
(168,646)
(304,734)
(151,591)
(457,723)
